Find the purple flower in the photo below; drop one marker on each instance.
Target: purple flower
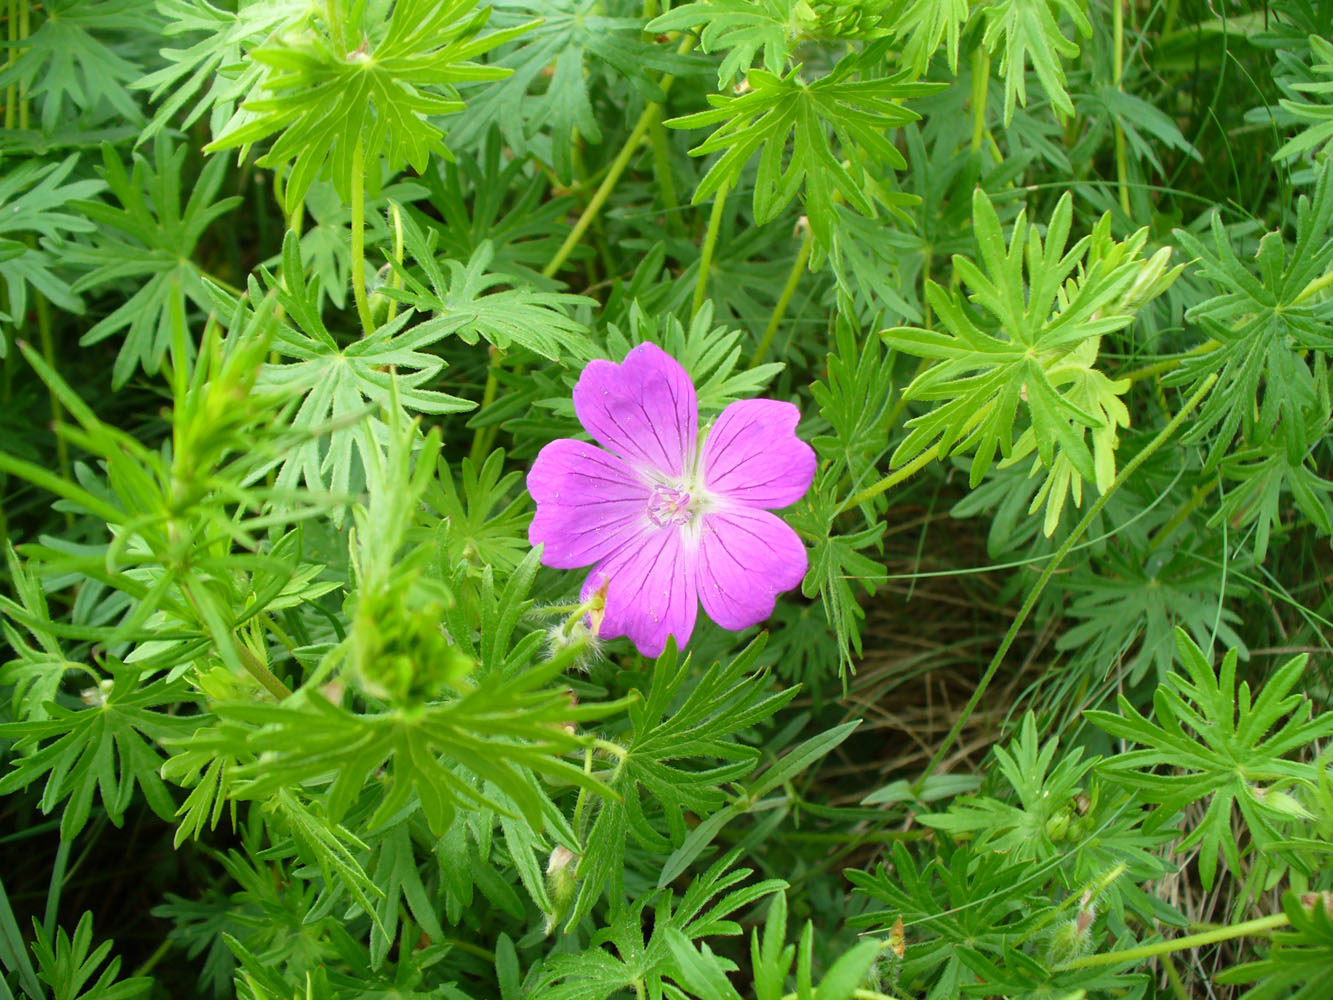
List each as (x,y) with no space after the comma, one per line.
(664,520)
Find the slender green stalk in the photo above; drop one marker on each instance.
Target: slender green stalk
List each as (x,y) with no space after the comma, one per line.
(1260,925)
(706,252)
(666,184)
(359,239)
(47,341)
(1186,509)
(891,480)
(480,436)
(784,300)
(980,89)
(1130,468)
(618,166)
(53,889)
(1117,74)
(25,10)
(157,956)
(12,92)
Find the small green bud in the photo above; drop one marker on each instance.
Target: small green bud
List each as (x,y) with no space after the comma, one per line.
(561,884)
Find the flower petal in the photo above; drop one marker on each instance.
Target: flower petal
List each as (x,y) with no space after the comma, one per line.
(753,456)
(589,502)
(644,410)
(746,558)
(650,591)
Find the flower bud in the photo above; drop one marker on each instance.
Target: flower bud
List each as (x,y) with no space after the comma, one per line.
(561,884)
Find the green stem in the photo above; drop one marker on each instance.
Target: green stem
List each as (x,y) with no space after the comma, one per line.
(480,436)
(57,883)
(980,88)
(784,300)
(1130,468)
(154,958)
(359,239)
(25,9)
(891,480)
(1117,74)
(618,166)
(1259,925)
(1186,509)
(12,92)
(47,342)
(706,252)
(666,183)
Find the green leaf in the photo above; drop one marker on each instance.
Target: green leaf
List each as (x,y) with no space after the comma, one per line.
(1027,31)
(107,749)
(1238,749)
(777,110)
(343,86)
(156,248)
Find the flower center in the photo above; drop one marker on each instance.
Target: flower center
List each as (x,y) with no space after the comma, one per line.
(667,505)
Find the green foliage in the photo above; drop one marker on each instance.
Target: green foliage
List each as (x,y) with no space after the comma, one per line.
(1028,31)
(338,83)
(33,200)
(68,964)
(104,749)
(269,594)
(1050,307)
(1262,327)
(777,109)
(157,250)
(1237,757)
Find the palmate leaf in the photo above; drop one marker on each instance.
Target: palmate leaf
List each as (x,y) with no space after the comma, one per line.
(777,110)
(69,963)
(67,63)
(1317,116)
(743,28)
(839,567)
(1266,472)
(1221,745)
(156,246)
(959,900)
(344,88)
(499,730)
(215,59)
(465,302)
(651,781)
(1297,963)
(574,46)
(36,201)
(345,388)
(1127,603)
(1262,327)
(1028,31)
(1043,787)
(1049,307)
(105,750)
(620,955)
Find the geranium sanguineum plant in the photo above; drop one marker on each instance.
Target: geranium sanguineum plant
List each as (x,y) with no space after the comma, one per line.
(666,520)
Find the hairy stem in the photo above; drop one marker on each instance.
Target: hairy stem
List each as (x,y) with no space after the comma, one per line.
(706,251)
(891,480)
(1130,468)
(784,300)
(359,239)
(1259,925)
